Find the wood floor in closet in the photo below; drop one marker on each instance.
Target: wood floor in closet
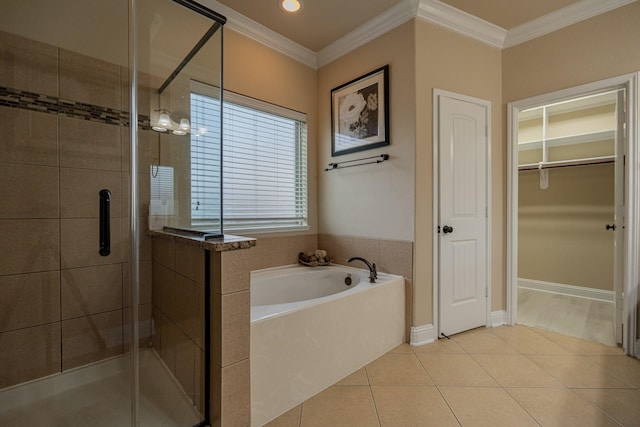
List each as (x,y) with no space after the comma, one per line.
(583,318)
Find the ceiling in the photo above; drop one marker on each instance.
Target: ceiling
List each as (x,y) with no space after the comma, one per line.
(322,22)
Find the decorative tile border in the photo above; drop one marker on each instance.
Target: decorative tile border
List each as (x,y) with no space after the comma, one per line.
(14,98)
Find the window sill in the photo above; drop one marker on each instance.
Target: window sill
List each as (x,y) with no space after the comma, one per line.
(267,230)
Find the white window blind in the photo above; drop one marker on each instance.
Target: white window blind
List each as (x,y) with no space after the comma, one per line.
(205,160)
(264,173)
(162,198)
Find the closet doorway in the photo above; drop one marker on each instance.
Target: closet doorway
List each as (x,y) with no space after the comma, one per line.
(569,198)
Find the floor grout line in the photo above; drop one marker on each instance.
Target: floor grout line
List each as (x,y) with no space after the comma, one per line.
(511,348)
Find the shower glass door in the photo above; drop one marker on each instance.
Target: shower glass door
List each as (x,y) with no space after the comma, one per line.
(75,270)
(179,48)
(64,238)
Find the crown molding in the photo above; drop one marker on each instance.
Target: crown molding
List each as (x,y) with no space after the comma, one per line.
(561,18)
(433,11)
(258,32)
(370,30)
(442,14)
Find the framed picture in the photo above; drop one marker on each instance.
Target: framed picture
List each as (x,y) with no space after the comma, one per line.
(360,113)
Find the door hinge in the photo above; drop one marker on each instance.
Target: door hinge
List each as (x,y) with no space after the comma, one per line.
(486,292)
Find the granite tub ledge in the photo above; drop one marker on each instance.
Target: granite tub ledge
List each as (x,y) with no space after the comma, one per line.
(226,243)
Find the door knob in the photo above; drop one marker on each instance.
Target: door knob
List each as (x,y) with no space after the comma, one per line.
(611,227)
(447,229)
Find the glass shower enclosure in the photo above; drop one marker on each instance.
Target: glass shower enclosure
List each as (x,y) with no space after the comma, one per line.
(80,189)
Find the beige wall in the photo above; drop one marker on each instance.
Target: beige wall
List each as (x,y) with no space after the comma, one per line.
(254,70)
(449,61)
(595,49)
(562,236)
(375,201)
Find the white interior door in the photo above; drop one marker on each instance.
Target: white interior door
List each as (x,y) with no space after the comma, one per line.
(463,150)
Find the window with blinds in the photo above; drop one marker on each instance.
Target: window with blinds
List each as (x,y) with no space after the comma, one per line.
(264,172)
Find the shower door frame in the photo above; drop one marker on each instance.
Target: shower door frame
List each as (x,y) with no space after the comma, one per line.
(218,23)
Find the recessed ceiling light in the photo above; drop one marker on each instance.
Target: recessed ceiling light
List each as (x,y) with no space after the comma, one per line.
(290,5)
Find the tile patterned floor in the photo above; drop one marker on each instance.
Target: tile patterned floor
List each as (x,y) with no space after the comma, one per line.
(506,376)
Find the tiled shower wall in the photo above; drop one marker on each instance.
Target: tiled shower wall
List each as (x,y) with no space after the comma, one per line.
(178,313)
(64,138)
(179,281)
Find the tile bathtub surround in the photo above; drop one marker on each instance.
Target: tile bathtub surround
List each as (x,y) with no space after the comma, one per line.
(390,256)
(467,384)
(276,251)
(230,335)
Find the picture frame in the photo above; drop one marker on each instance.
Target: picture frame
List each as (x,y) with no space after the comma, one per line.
(360,113)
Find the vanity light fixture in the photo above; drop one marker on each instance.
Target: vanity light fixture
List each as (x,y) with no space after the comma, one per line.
(290,5)
(162,123)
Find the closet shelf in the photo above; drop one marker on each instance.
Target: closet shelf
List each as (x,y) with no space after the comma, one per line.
(568,140)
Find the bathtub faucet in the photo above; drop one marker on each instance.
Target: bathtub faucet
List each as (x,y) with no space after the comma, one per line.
(373,273)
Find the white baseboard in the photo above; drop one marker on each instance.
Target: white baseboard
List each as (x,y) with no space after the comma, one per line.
(498,318)
(426,334)
(421,335)
(571,290)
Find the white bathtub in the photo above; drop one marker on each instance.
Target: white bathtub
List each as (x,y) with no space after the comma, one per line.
(309,330)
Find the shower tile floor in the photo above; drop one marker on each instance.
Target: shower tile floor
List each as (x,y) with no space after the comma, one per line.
(505,376)
(99,396)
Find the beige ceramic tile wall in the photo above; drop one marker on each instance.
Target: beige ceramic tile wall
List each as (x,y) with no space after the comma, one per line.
(390,256)
(276,251)
(62,304)
(178,308)
(178,315)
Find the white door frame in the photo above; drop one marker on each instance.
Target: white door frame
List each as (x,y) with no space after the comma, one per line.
(437,93)
(632,185)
